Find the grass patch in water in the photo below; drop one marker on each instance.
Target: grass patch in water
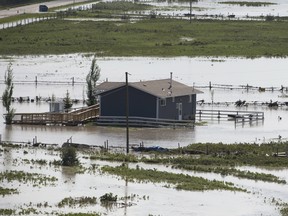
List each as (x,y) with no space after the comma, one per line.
(180,181)
(114,157)
(79,201)
(7,212)
(7,191)
(234,172)
(24,177)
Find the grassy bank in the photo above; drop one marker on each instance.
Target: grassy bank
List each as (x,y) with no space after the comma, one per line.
(148,37)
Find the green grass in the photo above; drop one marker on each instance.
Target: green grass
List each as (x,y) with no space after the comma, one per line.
(179,181)
(7,212)
(150,37)
(24,177)
(215,158)
(77,202)
(224,171)
(19,17)
(7,191)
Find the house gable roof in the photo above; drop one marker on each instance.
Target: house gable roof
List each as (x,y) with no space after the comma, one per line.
(159,88)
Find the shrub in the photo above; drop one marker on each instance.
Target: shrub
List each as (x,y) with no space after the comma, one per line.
(69,156)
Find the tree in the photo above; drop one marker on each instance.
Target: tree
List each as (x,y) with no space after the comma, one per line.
(7,94)
(91,79)
(69,156)
(67,101)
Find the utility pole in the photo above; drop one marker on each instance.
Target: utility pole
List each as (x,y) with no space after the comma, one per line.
(190,10)
(127,115)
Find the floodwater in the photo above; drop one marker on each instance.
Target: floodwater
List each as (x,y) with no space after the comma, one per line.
(150,199)
(215,8)
(55,73)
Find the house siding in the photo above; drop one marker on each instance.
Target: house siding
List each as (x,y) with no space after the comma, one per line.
(170,110)
(141,104)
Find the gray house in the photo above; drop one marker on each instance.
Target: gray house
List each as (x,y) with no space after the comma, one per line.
(157,99)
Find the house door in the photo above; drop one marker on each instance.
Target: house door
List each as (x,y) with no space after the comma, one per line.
(180,111)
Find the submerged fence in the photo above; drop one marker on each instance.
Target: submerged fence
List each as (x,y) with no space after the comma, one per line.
(237,116)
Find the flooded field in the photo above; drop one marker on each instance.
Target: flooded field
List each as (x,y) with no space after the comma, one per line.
(54,76)
(34,198)
(45,185)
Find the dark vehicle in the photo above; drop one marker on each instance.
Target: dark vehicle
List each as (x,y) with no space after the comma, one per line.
(43,8)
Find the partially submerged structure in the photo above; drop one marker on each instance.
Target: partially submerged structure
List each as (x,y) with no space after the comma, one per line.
(160,101)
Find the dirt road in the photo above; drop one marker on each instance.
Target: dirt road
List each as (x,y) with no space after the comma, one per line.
(35,7)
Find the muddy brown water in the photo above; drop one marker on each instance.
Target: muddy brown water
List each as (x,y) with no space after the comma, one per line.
(262,72)
(162,201)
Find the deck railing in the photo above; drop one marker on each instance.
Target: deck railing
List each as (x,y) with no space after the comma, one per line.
(76,117)
(143,122)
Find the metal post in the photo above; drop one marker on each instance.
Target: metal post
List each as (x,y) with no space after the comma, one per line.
(127,115)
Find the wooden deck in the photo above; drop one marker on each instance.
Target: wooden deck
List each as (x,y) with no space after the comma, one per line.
(76,117)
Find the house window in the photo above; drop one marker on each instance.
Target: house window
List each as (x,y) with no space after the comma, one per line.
(162,102)
(190,98)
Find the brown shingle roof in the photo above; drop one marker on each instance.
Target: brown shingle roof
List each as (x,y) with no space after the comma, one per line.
(160,88)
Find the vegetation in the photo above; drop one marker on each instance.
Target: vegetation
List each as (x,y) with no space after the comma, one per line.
(108,198)
(7,94)
(22,17)
(232,171)
(181,181)
(67,101)
(216,158)
(7,191)
(115,157)
(24,177)
(7,212)
(284,210)
(69,156)
(91,80)
(80,202)
(247,3)
(157,37)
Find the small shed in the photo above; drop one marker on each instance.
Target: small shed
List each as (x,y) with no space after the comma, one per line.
(56,106)
(158,99)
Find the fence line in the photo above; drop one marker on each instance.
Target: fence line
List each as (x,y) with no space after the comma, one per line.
(27,21)
(245,87)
